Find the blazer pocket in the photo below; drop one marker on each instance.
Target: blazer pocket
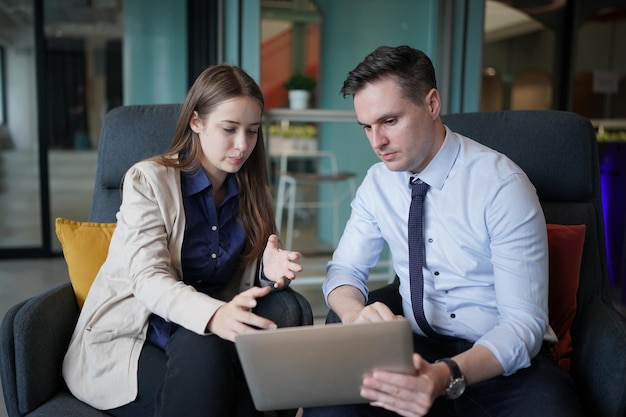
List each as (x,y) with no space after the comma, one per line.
(95,335)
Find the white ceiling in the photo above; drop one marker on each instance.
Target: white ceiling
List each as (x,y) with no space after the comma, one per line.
(502,22)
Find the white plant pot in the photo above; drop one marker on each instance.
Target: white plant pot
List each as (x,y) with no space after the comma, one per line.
(298,99)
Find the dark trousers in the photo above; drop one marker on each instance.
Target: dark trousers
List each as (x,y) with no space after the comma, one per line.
(200,375)
(541,390)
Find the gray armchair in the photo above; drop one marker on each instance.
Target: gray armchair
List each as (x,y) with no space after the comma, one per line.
(559,152)
(35,333)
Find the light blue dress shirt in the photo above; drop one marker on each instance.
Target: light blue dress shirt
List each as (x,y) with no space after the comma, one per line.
(486,271)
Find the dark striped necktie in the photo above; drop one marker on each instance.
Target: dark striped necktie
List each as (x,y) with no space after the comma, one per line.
(417,255)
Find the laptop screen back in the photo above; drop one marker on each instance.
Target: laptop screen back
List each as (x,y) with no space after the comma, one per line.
(320,365)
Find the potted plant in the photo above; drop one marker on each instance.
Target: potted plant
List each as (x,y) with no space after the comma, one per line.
(299,87)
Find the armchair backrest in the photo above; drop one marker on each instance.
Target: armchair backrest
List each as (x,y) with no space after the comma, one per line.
(129,134)
(559,153)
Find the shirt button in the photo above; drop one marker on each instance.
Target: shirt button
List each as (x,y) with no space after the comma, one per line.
(430,240)
(214,228)
(453,315)
(213,255)
(436,273)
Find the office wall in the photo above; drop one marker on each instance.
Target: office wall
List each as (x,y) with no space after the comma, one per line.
(242,34)
(154,51)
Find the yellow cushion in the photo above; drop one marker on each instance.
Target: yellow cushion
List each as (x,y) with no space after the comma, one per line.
(85,247)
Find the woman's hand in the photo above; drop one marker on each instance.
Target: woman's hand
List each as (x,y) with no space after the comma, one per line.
(279,264)
(236,316)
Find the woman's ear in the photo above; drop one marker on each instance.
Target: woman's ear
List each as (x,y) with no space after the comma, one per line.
(195,123)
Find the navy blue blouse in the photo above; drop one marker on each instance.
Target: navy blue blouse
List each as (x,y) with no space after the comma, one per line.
(212,244)
(214,238)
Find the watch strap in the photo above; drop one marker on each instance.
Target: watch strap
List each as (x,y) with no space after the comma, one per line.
(455,371)
(457,381)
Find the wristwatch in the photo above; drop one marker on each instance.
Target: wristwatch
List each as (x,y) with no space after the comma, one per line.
(457,380)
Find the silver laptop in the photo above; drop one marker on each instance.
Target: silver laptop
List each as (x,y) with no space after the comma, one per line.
(320,365)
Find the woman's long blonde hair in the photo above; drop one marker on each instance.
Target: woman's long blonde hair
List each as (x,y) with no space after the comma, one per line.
(213,86)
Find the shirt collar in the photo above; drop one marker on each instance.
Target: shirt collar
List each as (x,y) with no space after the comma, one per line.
(195,182)
(438,169)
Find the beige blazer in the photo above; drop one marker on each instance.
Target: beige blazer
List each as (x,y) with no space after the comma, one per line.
(141,275)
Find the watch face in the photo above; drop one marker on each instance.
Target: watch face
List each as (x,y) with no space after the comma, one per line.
(456,388)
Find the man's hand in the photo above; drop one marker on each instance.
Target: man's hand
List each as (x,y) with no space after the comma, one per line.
(348,303)
(407,395)
(279,264)
(413,395)
(235,316)
(370,313)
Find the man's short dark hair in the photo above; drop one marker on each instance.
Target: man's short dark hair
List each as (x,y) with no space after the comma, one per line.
(412,69)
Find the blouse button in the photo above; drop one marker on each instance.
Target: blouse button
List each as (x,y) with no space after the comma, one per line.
(213,255)
(214,228)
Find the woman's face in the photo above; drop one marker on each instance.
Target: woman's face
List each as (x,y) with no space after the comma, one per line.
(228,134)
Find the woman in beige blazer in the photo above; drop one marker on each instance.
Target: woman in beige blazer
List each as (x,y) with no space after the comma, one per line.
(155,334)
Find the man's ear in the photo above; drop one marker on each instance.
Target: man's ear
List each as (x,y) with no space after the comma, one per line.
(194,123)
(433,101)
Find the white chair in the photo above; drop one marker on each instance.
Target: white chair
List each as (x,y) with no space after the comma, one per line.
(324,171)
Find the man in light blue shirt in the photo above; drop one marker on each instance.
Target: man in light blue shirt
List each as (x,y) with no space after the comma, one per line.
(485,275)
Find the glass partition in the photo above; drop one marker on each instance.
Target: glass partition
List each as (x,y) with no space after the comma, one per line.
(20,202)
(518,60)
(63,59)
(83,75)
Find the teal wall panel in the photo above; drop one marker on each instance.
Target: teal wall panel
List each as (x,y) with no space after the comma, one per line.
(154,51)
(467,52)
(251,41)
(242,36)
(232,35)
(473,56)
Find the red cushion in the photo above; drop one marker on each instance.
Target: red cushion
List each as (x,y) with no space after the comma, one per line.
(565,244)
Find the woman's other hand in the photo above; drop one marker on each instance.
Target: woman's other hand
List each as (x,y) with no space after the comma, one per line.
(279,264)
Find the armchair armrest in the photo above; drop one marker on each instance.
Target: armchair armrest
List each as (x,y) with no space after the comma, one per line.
(599,363)
(42,328)
(7,360)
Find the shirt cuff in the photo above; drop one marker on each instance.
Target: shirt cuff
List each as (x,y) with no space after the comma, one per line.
(263,280)
(508,349)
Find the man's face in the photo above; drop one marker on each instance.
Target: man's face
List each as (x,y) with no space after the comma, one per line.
(402,134)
